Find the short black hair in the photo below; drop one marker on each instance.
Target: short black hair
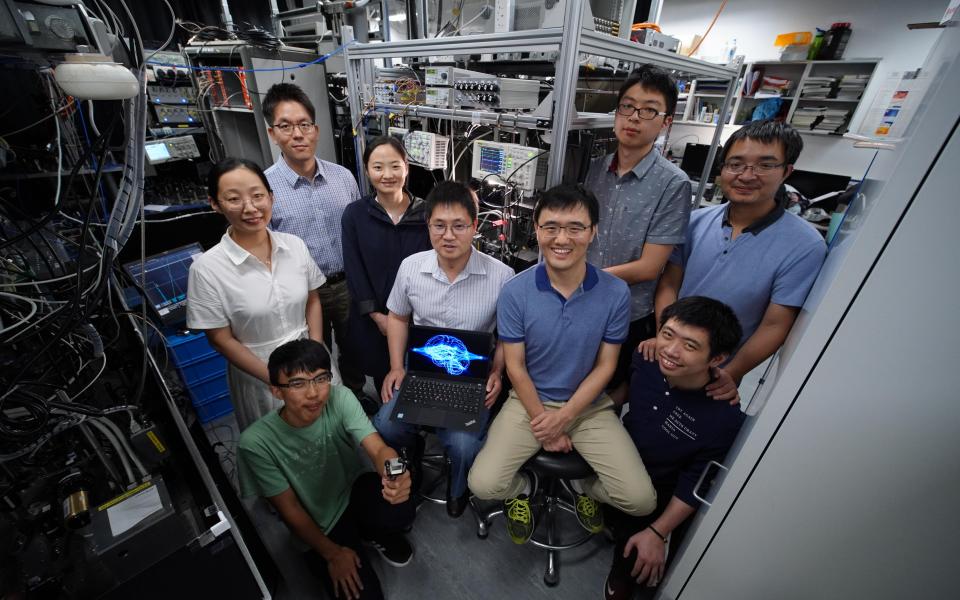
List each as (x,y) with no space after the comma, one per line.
(768,132)
(451,193)
(286,92)
(229,164)
(298,356)
(388,140)
(568,196)
(652,79)
(716,317)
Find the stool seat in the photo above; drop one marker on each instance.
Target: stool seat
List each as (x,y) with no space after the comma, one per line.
(562,465)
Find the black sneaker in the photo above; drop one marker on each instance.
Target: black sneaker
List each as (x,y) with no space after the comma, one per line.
(520,523)
(456,506)
(618,588)
(394,548)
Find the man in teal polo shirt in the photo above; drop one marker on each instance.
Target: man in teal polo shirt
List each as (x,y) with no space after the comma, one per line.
(303,459)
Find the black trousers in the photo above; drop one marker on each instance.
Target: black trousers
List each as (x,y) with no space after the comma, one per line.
(642,329)
(624,526)
(367,517)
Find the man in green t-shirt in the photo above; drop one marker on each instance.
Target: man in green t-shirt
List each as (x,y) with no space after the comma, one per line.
(303,459)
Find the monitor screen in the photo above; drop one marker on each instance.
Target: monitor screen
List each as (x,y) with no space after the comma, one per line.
(449,353)
(694,158)
(157,152)
(165,281)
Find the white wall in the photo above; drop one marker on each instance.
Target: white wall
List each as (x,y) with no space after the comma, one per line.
(879,31)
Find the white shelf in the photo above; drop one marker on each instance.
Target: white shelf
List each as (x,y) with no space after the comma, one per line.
(857,101)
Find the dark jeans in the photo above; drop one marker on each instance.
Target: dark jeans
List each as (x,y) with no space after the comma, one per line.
(335,301)
(623,526)
(367,517)
(642,329)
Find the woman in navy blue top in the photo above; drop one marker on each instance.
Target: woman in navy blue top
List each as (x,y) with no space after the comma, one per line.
(379,232)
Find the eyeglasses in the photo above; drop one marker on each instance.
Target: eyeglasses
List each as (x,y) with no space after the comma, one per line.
(237,202)
(287,128)
(300,384)
(738,168)
(644,112)
(441,228)
(573,231)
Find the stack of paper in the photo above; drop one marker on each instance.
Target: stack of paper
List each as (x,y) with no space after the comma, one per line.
(851,87)
(773,87)
(805,117)
(833,120)
(817,87)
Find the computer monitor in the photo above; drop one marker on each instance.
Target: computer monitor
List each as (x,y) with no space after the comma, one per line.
(813,185)
(694,158)
(449,353)
(165,281)
(157,152)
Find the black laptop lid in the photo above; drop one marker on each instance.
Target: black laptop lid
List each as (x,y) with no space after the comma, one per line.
(449,353)
(165,281)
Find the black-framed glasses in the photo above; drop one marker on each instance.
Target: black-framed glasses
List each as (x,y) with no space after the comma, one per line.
(441,228)
(287,128)
(574,230)
(644,112)
(738,168)
(299,384)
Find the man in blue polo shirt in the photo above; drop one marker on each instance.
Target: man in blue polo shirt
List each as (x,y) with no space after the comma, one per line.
(562,323)
(748,253)
(678,430)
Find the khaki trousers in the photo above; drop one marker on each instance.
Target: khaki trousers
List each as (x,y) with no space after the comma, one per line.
(597,435)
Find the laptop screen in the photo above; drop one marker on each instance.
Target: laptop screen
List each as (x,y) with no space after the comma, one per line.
(449,353)
(165,281)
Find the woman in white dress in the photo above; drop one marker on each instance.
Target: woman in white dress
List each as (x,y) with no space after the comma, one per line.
(255,290)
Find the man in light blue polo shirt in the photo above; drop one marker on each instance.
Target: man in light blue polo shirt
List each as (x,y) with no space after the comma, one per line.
(748,253)
(561,324)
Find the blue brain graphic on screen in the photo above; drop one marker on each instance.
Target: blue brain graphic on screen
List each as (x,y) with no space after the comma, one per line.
(448,353)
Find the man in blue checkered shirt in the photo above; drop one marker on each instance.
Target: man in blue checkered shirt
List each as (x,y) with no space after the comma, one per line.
(309,198)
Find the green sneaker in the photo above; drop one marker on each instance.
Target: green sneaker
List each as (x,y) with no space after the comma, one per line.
(519,518)
(589,513)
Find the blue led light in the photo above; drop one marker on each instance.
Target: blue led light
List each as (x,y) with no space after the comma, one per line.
(448,353)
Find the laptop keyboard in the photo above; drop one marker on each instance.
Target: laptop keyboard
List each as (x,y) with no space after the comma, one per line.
(446,395)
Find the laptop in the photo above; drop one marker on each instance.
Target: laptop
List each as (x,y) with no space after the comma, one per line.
(165,282)
(446,379)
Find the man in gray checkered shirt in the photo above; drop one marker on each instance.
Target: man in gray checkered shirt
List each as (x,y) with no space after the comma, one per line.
(309,198)
(645,203)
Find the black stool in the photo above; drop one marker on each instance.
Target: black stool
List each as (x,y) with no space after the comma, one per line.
(551,473)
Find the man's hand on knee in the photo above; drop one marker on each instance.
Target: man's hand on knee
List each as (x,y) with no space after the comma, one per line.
(561,443)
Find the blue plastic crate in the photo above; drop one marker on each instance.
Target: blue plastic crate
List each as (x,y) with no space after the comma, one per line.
(207,389)
(202,368)
(214,408)
(187,347)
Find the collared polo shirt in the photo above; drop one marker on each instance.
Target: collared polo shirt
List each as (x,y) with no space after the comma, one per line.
(469,302)
(228,286)
(776,260)
(650,203)
(562,336)
(312,210)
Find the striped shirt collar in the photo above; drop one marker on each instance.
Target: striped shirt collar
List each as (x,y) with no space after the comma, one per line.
(757,226)
(543,280)
(292,177)
(474,266)
(237,254)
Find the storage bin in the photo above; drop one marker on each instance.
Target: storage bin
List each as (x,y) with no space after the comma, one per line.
(214,408)
(206,389)
(187,347)
(203,368)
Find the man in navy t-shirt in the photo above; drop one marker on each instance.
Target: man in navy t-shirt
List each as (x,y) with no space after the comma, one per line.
(677,430)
